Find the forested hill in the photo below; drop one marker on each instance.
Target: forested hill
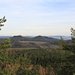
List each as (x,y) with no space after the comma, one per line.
(36,38)
(32,42)
(44,38)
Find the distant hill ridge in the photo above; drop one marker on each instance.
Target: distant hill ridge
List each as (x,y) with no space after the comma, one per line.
(39,37)
(43,38)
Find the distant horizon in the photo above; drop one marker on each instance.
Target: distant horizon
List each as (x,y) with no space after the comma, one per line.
(55,37)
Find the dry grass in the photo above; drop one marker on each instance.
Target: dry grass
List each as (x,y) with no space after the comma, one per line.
(35,42)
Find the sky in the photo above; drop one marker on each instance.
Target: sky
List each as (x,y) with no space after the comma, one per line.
(37,17)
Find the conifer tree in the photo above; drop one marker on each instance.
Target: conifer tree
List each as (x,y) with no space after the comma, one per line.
(2,21)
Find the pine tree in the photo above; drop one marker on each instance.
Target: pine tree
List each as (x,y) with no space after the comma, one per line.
(2,21)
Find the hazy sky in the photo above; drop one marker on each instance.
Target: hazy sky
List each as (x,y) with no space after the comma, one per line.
(37,17)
